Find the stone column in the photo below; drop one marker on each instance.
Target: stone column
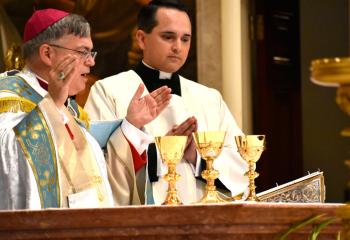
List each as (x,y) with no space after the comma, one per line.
(209,43)
(223,54)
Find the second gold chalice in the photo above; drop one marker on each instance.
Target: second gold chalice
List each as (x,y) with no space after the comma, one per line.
(209,145)
(250,147)
(171,149)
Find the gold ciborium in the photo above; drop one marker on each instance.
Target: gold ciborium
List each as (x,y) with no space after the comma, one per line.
(171,150)
(209,145)
(335,72)
(250,148)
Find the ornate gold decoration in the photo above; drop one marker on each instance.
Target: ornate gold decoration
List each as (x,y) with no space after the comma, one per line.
(334,72)
(14,59)
(171,150)
(308,189)
(16,104)
(209,145)
(250,147)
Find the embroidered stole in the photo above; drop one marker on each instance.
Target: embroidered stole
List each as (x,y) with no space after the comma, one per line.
(78,166)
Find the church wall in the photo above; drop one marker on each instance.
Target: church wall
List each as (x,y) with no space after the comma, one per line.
(324,33)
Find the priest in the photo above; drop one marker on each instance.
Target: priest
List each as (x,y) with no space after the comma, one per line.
(164,35)
(48,159)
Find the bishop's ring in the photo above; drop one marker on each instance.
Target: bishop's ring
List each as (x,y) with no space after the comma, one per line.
(61,75)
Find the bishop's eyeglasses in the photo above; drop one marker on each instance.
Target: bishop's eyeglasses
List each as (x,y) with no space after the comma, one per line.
(83,53)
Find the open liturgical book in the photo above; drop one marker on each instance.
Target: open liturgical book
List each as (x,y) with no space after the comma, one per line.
(307,189)
(102,130)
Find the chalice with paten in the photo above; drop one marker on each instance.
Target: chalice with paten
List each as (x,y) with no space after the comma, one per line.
(171,149)
(250,147)
(209,146)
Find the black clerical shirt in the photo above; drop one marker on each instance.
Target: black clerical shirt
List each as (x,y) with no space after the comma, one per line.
(150,78)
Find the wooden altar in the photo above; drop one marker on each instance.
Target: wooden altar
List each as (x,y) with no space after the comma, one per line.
(227,221)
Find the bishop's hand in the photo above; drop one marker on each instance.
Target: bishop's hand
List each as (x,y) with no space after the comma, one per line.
(60,77)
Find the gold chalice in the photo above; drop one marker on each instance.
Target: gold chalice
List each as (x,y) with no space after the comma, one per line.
(250,148)
(209,145)
(171,150)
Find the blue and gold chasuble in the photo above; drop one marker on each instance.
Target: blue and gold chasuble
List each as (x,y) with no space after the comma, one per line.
(36,141)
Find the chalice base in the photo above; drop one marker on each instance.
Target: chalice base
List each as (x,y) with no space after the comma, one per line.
(172,199)
(212,196)
(252,199)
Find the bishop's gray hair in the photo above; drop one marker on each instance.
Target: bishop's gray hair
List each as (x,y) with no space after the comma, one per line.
(71,24)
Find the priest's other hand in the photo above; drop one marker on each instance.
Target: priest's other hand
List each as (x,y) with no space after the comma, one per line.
(186,128)
(143,110)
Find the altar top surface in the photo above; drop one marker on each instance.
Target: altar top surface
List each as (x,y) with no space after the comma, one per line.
(224,221)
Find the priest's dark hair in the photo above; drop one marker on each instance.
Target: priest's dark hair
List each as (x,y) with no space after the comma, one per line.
(146,19)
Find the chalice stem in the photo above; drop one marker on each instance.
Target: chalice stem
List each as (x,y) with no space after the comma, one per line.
(251,175)
(172,177)
(172,197)
(210,188)
(210,178)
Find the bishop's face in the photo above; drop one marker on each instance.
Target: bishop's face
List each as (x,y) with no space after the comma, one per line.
(81,47)
(166,47)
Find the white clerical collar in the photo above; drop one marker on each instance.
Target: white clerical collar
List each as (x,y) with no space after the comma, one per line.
(162,75)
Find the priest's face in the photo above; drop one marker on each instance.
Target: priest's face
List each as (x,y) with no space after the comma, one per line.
(166,47)
(80,47)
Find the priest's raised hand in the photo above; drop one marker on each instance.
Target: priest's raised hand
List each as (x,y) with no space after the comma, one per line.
(143,110)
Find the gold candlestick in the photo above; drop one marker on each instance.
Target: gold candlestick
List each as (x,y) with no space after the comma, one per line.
(171,150)
(250,147)
(209,145)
